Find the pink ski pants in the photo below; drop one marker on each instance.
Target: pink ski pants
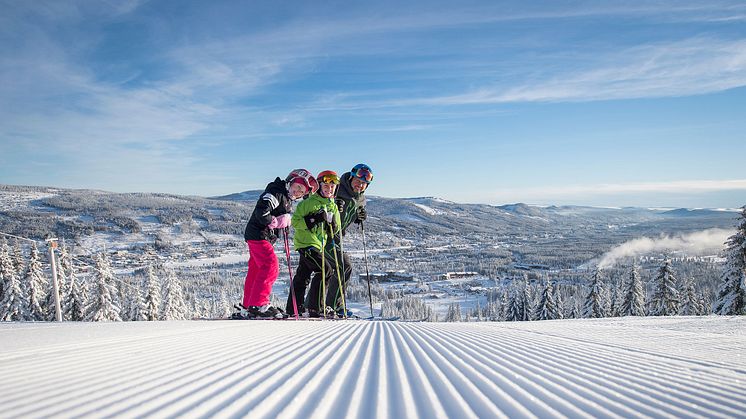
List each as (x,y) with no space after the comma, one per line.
(262,273)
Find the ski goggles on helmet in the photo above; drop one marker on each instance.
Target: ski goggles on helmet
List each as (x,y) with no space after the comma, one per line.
(363,173)
(328,177)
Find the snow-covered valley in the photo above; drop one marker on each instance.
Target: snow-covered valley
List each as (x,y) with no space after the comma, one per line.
(620,367)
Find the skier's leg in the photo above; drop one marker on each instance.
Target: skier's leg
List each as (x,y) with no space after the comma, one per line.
(313,300)
(347,271)
(300,283)
(332,278)
(267,272)
(250,277)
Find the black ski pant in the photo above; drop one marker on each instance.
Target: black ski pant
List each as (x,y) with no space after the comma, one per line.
(333,295)
(310,264)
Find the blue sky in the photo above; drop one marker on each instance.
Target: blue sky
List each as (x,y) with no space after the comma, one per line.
(561,102)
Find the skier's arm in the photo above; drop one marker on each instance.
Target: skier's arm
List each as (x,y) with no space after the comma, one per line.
(267,202)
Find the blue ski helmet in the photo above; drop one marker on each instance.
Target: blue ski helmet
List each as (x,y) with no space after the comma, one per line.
(362,172)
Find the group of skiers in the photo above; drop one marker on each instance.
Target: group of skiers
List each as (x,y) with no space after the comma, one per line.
(330,204)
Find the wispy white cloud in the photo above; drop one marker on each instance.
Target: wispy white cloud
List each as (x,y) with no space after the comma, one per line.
(689,67)
(686,186)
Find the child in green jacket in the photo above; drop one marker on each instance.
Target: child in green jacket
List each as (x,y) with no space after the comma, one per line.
(317,225)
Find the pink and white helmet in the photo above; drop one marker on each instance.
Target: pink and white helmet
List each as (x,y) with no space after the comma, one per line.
(304,177)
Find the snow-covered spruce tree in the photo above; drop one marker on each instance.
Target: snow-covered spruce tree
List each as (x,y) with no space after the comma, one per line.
(547,308)
(574,312)
(731,298)
(174,305)
(407,308)
(616,299)
(64,266)
(224,306)
(665,299)
(152,295)
(519,302)
(634,296)
(454,313)
(478,313)
(6,264)
(502,313)
(16,256)
(559,300)
(13,305)
(101,305)
(34,286)
(75,302)
(595,305)
(137,307)
(526,297)
(689,299)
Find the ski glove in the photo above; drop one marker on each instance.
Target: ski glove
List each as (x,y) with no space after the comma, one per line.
(318,217)
(283,221)
(340,205)
(272,224)
(361,215)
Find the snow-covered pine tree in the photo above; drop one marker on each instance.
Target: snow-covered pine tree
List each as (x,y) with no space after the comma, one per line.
(101,305)
(547,308)
(574,312)
(513,310)
(526,297)
(615,299)
(127,300)
(665,299)
(559,300)
(174,305)
(502,313)
(454,313)
(634,296)
(689,299)
(4,259)
(13,305)
(731,298)
(224,305)
(64,266)
(34,286)
(478,312)
(74,303)
(152,295)
(595,305)
(137,307)
(16,256)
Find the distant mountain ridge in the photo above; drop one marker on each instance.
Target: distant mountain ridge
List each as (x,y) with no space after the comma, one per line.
(69,211)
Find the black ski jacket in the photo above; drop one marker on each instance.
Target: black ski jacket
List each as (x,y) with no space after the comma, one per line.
(352,201)
(274,202)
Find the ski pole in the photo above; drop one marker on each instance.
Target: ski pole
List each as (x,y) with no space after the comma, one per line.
(367,272)
(339,276)
(322,295)
(290,271)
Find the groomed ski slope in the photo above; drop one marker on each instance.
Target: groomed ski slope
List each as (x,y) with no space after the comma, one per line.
(632,367)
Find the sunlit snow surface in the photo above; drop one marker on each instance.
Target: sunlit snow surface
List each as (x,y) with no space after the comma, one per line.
(631,367)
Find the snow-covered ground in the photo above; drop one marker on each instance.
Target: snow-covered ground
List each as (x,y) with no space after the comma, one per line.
(631,367)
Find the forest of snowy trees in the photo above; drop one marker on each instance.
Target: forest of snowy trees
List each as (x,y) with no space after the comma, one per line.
(155,293)
(94,292)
